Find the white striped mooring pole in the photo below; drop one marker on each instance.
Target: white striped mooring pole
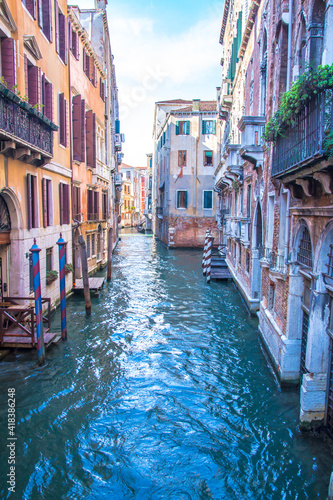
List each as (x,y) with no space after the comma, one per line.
(209,258)
(205,252)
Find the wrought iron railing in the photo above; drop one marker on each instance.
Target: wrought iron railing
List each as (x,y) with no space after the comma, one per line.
(21,124)
(304,140)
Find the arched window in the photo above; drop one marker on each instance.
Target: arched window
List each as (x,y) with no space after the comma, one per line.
(301,54)
(258,228)
(304,252)
(5,225)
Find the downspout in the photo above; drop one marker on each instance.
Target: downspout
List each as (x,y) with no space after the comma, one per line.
(290,25)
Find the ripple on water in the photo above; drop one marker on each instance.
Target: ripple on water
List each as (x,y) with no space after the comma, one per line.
(163,393)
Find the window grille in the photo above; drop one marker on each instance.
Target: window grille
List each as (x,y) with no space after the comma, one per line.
(304,254)
(330,262)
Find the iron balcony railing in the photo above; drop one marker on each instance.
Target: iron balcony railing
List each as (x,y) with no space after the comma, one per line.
(303,142)
(26,126)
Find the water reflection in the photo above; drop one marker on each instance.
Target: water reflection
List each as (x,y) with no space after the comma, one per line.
(163,393)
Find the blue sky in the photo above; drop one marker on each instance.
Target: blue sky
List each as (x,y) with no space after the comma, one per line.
(162,50)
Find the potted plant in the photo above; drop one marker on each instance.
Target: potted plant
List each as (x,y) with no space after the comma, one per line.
(51,276)
(69,268)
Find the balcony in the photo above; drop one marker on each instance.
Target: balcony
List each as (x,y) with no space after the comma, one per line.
(302,145)
(25,133)
(252,128)
(275,261)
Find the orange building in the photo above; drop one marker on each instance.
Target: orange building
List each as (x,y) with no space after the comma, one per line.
(91,175)
(35,166)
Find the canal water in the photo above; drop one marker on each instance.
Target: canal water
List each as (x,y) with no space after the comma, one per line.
(163,393)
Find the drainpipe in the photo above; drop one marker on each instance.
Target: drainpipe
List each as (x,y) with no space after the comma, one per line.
(290,25)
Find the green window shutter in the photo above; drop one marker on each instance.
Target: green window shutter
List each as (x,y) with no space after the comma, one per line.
(185,193)
(208,200)
(117,125)
(214,127)
(187,130)
(177,128)
(203,127)
(239,34)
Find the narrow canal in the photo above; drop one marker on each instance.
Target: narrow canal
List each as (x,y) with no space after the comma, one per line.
(163,393)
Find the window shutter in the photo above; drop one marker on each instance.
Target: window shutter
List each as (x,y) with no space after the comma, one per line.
(56,23)
(203,127)
(94,73)
(96,205)
(70,37)
(77,41)
(62,37)
(50,204)
(91,139)
(177,128)
(94,141)
(83,130)
(39,89)
(79,200)
(29,199)
(8,61)
(47,19)
(76,120)
(61,203)
(31,7)
(26,75)
(35,221)
(66,40)
(66,123)
(84,61)
(185,198)
(33,85)
(40,13)
(66,213)
(117,125)
(44,197)
(49,101)
(214,127)
(187,131)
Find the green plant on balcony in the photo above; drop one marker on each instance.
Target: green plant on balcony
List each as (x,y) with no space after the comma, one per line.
(69,268)
(51,276)
(294,100)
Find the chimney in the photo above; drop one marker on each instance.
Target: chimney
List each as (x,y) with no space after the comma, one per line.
(196,105)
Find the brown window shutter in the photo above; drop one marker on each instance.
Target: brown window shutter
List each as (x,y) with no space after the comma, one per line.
(29,201)
(89,138)
(76,124)
(62,130)
(8,61)
(44,197)
(56,23)
(43,100)
(66,214)
(83,130)
(77,39)
(96,204)
(33,85)
(94,74)
(26,75)
(66,41)
(47,20)
(74,202)
(49,204)
(35,220)
(49,101)
(66,123)
(31,7)
(61,203)
(79,200)
(39,89)
(94,141)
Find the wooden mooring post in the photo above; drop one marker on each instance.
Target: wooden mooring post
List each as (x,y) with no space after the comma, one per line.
(85,277)
(110,250)
(62,245)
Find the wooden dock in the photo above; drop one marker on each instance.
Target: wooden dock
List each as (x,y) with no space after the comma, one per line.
(95,285)
(14,338)
(219,269)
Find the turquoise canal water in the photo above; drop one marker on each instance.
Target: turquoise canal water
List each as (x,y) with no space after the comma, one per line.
(163,393)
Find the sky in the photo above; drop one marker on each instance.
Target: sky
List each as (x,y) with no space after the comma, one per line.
(162,51)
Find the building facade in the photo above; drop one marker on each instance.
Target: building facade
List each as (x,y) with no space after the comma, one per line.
(275,213)
(147,209)
(133,195)
(186,140)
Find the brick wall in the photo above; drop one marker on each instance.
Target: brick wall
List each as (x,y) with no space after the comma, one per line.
(191,231)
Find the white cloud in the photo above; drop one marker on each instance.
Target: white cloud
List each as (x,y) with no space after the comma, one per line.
(151,66)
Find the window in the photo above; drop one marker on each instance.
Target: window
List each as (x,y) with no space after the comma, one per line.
(79,128)
(32,196)
(105,205)
(60,32)
(208,158)
(74,43)
(240,255)
(33,86)
(208,127)
(88,246)
(76,200)
(304,254)
(31,274)
(183,128)
(89,68)
(128,174)
(102,89)
(93,205)
(8,61)
(93,246)
(248,201)
(208,200)
(91,139)
(63,111)
(47,202)
(330,264)
(247,261)
(181,199)
(30,5)
(64,203)
(48,259)
(44,16)
(182,158)
(271,297)
(47,98)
